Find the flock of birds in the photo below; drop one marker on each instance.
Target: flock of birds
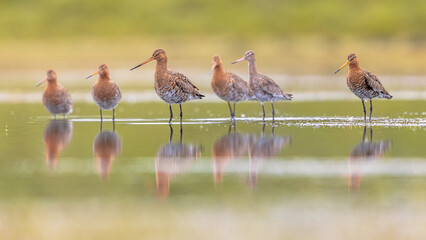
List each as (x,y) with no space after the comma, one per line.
(175,88)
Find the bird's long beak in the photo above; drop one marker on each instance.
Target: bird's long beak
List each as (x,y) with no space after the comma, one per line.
(344,65)
(41,82)
(239,60)
(148,60)
(92,74)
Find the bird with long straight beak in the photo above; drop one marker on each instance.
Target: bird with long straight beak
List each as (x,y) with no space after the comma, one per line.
(229,86)
(106,93)
(56,98)
(172,87)
(363,83)
(262,86)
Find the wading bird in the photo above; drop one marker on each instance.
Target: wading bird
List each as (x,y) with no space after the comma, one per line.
(56,98)
(363,83)
(105,92)
(172,87)
(263,87)
(229,86)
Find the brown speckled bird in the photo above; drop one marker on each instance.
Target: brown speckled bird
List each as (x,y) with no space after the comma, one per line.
(56,98)
(262,86)
(106,147)
(363,83)
(363,153)
(105,92)
(172,87)
(229,86)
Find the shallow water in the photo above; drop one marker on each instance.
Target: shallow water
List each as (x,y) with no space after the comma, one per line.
(142,176)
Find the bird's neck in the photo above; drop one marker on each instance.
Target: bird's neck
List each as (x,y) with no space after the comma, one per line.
(219,74)
(161,67)
(354,67)
(252,68)
(103,78)
(52,84)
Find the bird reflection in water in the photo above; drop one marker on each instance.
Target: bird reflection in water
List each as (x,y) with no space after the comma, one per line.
(363,153)
(106,147)
(229,147)
(173,159)
(263,148)
(57,135)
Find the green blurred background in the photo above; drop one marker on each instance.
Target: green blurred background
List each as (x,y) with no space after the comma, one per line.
(293,37)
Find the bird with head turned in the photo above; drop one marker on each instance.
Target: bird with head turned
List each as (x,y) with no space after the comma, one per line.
(229,86)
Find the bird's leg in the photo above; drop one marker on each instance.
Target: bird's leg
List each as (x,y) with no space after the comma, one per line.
(230,110)
(100,111)
(273,112)
(371,108)
(233,114)
(263,109)
(54,116)
(181,114)
(171,113)
(365,112)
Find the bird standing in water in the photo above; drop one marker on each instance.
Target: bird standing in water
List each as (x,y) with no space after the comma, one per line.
(105,92)
(363,83)
(56,98)
(229,86)
(172,87)
(263,87)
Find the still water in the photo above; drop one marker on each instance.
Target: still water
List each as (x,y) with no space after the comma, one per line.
(207,178)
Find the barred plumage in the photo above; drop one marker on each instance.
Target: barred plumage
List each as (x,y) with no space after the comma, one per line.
(363,83)
(172,87)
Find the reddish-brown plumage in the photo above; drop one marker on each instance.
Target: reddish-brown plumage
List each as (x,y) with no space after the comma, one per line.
(363,83)
(172,87)
(56,98)
(229,86)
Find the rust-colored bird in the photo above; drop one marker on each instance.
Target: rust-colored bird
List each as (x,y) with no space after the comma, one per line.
(226,149)
(172,87)
(105,92)
(262,86)
(56,98)
(173,159)
(363,153)
(363,83)
(229,86)
(57,135)
(106,147)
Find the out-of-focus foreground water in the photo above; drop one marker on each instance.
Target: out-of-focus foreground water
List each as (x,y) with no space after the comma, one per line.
(316,172)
